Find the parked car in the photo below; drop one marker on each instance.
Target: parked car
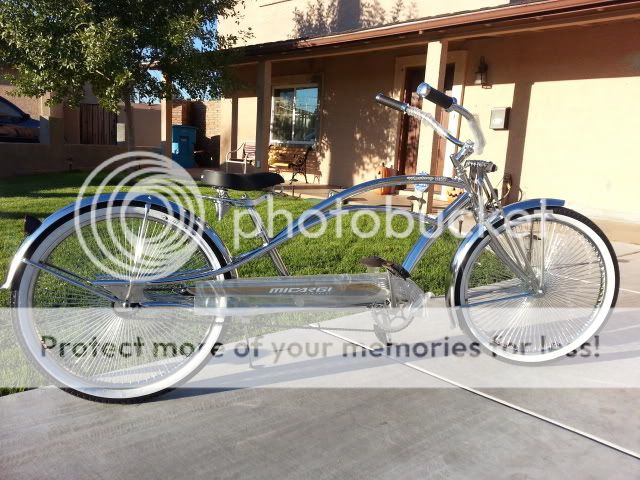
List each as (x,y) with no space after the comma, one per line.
(16,125)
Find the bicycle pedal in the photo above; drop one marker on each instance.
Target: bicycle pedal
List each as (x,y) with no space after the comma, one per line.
(393,268)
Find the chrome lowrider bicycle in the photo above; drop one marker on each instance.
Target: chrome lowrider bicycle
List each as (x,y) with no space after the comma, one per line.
(536,261)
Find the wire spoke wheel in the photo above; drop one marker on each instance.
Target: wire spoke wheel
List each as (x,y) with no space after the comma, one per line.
(108,350)
(564,300)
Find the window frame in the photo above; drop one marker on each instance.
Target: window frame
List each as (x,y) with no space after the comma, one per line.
(293,143)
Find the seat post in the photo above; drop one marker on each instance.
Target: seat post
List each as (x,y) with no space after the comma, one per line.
(277,260)
(244,161)
(222,207)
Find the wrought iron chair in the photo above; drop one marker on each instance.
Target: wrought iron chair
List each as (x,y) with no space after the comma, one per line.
(295,163)
(299,164)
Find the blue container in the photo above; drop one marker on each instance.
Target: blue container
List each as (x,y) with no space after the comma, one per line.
(182,145)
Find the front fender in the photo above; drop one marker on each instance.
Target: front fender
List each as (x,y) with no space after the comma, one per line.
(30,243)
(479,230)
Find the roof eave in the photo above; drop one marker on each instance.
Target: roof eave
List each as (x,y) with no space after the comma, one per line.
(442,23)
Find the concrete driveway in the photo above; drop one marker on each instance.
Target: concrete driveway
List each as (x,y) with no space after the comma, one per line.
(367,413)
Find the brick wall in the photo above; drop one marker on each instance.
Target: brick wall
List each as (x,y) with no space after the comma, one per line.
(181,112)
(206,117)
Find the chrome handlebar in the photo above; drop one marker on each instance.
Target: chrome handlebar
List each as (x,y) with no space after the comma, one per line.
(425,117)
(449,104)
(476,131)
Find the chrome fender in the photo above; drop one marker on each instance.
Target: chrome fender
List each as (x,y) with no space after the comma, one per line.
(479,230)
(30,243)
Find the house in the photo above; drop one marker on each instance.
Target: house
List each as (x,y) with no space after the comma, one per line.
(81,138)
(567,73)
(74,138)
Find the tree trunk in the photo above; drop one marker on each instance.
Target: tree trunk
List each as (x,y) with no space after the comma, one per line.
(130,129)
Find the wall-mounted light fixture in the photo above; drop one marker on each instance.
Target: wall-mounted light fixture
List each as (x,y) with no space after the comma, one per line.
(481,74)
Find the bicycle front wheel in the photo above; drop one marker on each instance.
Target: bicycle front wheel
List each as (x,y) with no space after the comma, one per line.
(100,349)
(571,288)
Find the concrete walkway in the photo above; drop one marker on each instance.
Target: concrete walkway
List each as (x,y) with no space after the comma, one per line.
(350,416)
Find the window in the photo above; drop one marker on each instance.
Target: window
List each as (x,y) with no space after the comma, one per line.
(295,115)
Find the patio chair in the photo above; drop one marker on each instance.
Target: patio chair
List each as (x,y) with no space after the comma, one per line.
(247,157)
(299,164)
(294,162)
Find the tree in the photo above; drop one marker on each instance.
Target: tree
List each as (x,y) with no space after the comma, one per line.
(56,47)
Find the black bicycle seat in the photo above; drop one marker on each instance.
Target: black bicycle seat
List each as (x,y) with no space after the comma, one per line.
(234,181)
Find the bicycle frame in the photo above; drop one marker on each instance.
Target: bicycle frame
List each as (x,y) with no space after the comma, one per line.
(333,207)
(512,258)
(326,210)
(479,196)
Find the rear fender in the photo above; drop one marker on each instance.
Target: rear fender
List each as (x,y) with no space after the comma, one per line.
(52,221)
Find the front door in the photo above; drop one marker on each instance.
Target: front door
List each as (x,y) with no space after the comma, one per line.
(410,131)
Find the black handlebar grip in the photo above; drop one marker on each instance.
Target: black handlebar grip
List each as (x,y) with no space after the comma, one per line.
(391,103)
(441,99)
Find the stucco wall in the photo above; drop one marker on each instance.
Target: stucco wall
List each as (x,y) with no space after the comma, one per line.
(575,94)
(146,123)
(356,134)
(32,105)
(28,158)
(237,113)
(29,105)
(146,120)
(311,18)
(146,117)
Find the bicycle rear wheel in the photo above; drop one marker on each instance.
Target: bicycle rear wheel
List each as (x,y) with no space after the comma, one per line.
(91,346)
(577,284)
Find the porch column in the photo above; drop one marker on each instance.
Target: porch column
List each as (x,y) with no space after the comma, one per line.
(234,122)
(436,66)
(165,127)
(51,123)
(263,115)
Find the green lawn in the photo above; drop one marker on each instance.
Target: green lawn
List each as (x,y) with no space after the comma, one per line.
(41,195)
